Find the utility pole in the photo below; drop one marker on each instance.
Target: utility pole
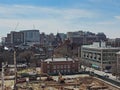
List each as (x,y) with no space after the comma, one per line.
(79,59)
(15,67)
(2,85)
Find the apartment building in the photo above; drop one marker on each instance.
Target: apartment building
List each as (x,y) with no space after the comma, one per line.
(81,37)
(17,37)
(31,36)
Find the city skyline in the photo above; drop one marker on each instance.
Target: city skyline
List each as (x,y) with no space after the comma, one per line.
(52,16)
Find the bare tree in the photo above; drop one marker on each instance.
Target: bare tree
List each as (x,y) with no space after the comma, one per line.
(26,55)
(7,56)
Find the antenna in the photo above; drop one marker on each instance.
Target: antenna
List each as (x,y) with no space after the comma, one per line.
(16,25)
(33,26)
(57,31)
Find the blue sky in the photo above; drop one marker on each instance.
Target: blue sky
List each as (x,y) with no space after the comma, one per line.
(61,16)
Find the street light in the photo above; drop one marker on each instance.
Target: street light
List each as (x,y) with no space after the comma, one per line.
(2,84)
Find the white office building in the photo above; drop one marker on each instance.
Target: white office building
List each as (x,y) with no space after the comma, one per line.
(99,56)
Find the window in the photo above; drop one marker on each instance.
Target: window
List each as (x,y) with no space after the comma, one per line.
(61,66)
(68,70)
(54,71)
(99,58)
(58,66)
(84,55)
(64,66)
(54,67)
(68,66)
(64,70)
(57,71)
(61,71)
(48,66)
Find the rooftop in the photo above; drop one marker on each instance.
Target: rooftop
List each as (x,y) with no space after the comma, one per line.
(29,30)
(118,53)
(93,47)
(98,45)
(59,59)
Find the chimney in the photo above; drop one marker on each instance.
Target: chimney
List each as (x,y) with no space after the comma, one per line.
(52,58)
(66,57)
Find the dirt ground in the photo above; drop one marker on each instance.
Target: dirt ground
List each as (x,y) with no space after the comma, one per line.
(79,83)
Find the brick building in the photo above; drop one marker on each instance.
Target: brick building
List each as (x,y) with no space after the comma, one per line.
(62,65)
(114,42)
(81,37)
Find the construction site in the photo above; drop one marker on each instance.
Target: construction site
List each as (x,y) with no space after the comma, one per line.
(60,82)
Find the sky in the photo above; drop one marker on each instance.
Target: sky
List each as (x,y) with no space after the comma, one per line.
(52,16)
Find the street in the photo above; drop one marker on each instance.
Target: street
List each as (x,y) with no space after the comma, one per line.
(101,73)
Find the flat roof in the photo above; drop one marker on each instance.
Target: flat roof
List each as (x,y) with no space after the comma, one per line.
(58,59)
(118,52)
(99,48)
(30,30)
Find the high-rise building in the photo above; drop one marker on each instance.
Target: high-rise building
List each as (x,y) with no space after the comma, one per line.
(17,38)
(28,37)
(31,36)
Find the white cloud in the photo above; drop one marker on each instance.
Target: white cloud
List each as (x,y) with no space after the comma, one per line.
(106,23)
(117,17)
(46,19)
(22,11)
(78,13)
(46,25)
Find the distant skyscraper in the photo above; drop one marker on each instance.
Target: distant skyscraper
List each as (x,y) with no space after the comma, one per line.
(17,38)
(31,36)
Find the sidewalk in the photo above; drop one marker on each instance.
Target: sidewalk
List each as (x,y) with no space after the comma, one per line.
(103,74)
